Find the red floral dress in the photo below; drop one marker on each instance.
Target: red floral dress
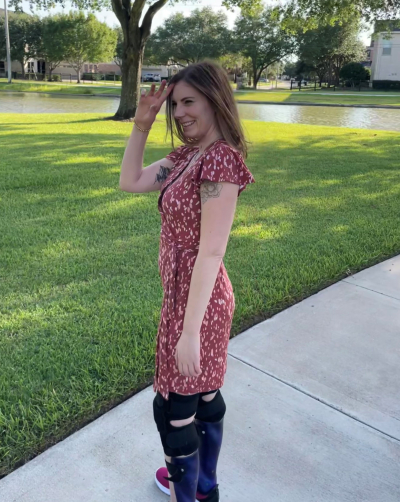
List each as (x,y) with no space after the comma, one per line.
(179,204)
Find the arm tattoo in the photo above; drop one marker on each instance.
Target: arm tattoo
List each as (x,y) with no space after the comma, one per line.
(209,189)
(163,173)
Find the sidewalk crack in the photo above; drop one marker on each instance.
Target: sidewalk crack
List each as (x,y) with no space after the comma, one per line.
(326,403)
(369,289)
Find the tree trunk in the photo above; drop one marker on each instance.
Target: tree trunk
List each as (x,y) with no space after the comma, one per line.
(130,89)
(22,69)
(78,72)
(254,76)
(134,40)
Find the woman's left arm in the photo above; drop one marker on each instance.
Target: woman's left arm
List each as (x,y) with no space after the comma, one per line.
(218,205)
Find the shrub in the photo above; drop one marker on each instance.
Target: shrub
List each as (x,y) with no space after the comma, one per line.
(392,85)
(92,76)
(355,72)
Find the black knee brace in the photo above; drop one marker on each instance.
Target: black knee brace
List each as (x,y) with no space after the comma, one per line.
(211,411)
(176,441)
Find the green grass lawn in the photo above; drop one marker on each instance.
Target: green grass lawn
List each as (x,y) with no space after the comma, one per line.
(80,288)
(349,98)
(276,96)
(97,88)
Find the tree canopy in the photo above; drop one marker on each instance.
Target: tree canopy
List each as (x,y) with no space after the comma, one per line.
(25,38)
(328,48)
(189,39)
(260,37)
(313,11)
(87,40)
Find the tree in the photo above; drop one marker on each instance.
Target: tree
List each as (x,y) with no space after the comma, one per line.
(313,12)
(327,48)
(347,48)
(290,70)
(315,52)
(53,42)
(203,34)
(136,27)
(87,39)
(355,72)
(260,36)
(234,63)
(25,34)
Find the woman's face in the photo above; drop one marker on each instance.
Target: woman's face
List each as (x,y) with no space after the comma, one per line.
(193,110)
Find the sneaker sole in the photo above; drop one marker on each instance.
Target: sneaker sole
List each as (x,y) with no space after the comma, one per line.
(163,489)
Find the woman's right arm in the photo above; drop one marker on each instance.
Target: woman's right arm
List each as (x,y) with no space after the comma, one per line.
(133,177)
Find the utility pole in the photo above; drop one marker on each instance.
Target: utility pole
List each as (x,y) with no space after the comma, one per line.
(7,43)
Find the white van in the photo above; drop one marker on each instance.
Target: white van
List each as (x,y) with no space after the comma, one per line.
(152,77)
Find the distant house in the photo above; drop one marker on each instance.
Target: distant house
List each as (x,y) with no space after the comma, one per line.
(110,68)
(385,55)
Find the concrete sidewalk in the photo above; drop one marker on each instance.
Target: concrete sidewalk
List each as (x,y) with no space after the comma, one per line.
(313,413)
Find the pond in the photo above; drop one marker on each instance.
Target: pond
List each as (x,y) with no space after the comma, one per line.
(366,118)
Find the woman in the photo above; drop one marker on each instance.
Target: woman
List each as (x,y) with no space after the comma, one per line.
(199,183)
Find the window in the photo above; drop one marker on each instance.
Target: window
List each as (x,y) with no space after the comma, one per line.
(387,47)
(2,66)
(86,68)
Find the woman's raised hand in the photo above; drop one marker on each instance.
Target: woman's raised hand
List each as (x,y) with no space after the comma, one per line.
(150,104)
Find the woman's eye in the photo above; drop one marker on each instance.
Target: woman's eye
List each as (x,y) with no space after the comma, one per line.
(188,102)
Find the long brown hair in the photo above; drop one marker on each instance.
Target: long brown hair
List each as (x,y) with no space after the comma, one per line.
(209,78)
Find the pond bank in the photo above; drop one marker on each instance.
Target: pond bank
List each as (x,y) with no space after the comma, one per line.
(243,101)
(303,103)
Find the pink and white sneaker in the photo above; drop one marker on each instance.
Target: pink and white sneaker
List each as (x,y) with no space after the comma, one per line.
(163,485)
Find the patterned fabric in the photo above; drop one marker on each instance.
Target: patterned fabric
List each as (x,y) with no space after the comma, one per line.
(179,205)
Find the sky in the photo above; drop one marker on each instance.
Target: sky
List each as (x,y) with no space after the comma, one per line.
(186,7)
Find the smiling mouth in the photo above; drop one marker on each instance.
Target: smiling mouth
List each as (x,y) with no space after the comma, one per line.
(187,124)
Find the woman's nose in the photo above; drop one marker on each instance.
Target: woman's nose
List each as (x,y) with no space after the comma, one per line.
(179,112)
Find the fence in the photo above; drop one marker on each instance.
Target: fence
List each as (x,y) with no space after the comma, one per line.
(310,85)
(348,84)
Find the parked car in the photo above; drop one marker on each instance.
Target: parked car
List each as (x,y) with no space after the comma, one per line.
(152,77)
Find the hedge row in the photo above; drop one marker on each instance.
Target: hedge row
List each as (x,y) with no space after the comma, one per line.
(392,85)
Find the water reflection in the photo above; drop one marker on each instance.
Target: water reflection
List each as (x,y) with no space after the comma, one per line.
(366,118)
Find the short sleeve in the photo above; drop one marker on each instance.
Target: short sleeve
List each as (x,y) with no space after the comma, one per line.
(224,163)
(176,154)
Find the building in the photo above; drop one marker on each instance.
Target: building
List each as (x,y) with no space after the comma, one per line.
(385,55)
(368,57)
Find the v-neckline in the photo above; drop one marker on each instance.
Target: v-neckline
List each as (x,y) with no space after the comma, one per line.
(184,169)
